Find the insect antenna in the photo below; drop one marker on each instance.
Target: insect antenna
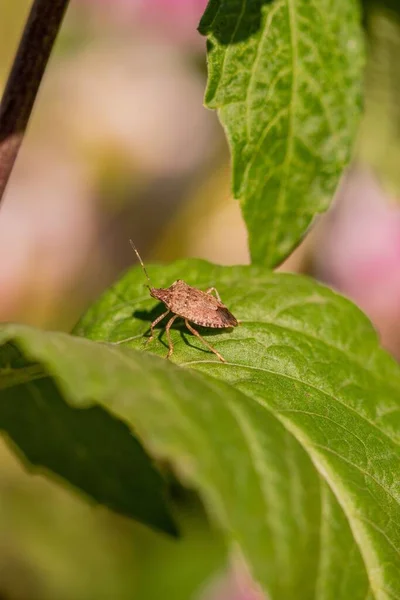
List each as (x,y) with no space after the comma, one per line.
(141,262)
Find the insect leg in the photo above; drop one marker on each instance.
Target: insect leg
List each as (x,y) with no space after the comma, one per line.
(196,333)
(154,323)
(167,328)
(213,289)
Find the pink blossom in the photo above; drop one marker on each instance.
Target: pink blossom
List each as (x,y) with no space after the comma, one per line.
(359,252)
(178,19)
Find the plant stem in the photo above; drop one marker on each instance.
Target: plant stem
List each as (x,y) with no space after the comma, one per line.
(24,79)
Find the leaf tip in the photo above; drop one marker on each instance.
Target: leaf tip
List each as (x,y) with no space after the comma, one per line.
(208,17)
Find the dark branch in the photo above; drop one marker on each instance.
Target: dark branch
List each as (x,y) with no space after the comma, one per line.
(24,80)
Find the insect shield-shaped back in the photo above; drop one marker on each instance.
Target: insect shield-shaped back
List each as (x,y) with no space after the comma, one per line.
(195,305)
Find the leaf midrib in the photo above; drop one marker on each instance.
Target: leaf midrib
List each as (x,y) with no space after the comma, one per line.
(230,45)
(254,68)
(291,112)
(297,380)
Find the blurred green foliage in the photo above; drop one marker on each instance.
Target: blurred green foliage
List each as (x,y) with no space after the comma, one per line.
(13,15)
(54,545)
(379,139)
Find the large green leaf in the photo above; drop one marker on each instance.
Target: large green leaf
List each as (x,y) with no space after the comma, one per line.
(285,76)
(293,444)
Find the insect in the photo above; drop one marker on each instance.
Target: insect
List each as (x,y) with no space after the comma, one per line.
(190,304)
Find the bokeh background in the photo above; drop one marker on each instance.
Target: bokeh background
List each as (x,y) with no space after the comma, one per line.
(120,146)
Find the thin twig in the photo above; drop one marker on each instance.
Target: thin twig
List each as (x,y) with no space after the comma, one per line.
(24,80)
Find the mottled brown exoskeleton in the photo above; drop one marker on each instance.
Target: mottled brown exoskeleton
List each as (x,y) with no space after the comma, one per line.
(191,304)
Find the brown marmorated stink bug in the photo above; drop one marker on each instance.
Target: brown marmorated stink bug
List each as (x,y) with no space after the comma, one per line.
(184,301)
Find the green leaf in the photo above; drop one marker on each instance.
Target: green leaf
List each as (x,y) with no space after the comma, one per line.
(379,140)
(286,78)
(89,448)
(293,444)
